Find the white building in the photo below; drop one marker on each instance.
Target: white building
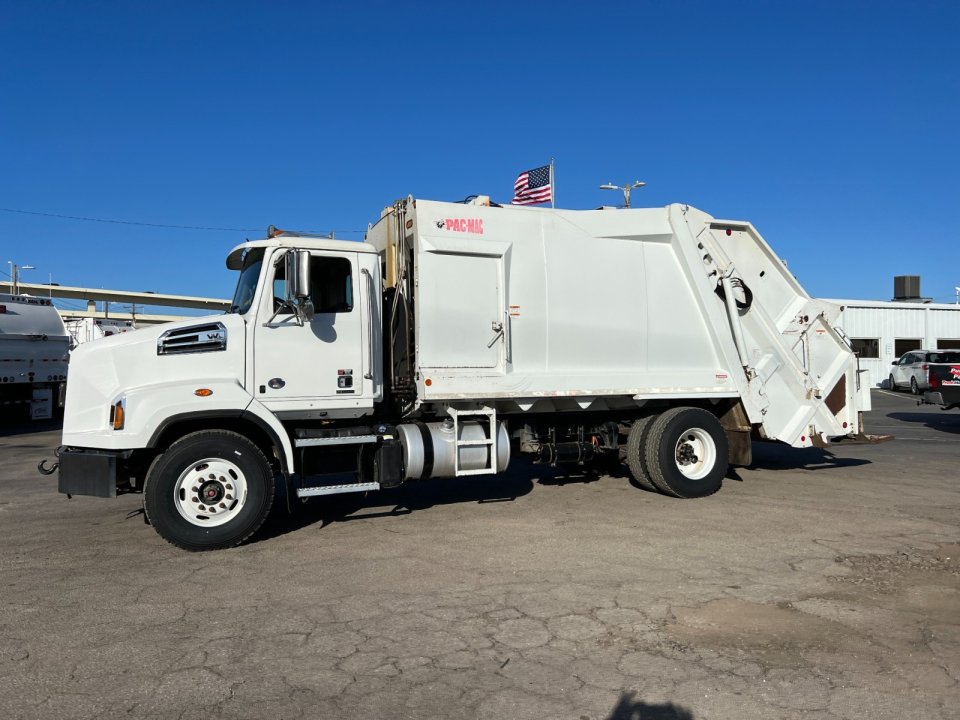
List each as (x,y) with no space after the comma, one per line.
(883,331)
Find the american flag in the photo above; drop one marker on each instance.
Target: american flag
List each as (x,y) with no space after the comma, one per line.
(532,187)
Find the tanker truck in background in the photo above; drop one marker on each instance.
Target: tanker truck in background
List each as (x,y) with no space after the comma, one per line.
(456,334)
(34,345)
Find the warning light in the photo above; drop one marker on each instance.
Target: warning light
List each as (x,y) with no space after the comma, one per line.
(428,382)
(729,232)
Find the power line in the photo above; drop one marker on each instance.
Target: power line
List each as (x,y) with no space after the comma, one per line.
(156,225)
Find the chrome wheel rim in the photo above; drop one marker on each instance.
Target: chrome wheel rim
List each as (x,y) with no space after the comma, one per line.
(210,492)
(695,454)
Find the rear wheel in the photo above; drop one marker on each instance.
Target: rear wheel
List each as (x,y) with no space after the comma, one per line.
(686,453)
(914,388)
(636,453)
(211,490)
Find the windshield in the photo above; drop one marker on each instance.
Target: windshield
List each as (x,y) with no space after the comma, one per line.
(247,284)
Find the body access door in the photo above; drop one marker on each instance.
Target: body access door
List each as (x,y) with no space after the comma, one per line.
(463,323)
(329,366)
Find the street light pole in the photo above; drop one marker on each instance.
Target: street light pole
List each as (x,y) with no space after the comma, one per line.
(625,188)
(15,275)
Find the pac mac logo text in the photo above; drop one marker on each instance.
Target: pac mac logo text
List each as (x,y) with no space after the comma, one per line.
(464,225)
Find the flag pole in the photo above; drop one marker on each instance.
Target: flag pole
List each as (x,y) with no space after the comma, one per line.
(553,187)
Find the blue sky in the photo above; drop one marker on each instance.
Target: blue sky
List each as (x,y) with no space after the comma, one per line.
(832,126)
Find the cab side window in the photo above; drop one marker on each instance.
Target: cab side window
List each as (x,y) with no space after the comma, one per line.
(331,284)
(280,289)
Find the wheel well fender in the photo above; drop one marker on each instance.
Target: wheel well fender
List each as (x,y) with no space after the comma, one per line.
(272,440)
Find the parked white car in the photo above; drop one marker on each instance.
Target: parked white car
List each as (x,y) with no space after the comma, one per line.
(911,370)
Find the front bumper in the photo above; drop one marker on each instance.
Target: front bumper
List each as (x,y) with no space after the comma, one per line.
(88,472)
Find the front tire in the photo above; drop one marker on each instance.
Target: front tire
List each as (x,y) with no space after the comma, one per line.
(210,490)
(687,453)
(893,384)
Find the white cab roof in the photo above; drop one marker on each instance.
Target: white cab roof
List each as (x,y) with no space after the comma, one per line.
(296,241)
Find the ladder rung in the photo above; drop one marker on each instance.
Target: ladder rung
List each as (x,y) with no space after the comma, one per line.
(337,489)
(488,414)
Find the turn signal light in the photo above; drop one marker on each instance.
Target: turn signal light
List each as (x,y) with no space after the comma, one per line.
(203,392)
(116,416)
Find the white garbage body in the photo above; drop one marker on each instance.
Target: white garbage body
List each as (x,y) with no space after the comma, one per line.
(539,310)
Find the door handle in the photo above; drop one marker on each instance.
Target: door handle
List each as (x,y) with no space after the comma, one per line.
(497,328)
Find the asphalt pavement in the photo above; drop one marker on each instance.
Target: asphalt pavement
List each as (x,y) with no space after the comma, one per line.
(813,585)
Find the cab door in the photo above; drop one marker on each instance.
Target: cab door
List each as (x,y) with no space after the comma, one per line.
(323,368)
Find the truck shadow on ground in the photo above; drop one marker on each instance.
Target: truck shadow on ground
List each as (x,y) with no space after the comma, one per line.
(410,497)
(403,500)
(940,420)
(777,456)
(629,708)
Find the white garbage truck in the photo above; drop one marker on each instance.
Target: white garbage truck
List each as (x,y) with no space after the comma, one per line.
(455,334)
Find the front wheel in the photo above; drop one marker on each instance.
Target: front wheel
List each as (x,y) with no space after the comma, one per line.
(211,490)
(893,384)
(687,453)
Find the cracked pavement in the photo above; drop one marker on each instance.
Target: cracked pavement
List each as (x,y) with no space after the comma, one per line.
(817,586)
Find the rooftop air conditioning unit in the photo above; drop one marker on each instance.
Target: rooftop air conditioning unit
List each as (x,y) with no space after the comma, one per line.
(906,287)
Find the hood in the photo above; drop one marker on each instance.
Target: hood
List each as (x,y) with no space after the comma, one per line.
(195,349)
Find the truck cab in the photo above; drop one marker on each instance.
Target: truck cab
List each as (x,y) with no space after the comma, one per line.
(312,315)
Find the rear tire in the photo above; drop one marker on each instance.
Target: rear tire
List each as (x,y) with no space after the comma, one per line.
(914,388)
(636,454)
(687,453)
(210,490)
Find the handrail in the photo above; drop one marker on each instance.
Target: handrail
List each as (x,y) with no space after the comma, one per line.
(368,375)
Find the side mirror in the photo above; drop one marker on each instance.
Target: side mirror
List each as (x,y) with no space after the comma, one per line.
(895,362)
(297,272)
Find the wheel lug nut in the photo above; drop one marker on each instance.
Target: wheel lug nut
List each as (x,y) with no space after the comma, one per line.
(223,506)
(229,496)
(229,486)
(202,507)
(194,500)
